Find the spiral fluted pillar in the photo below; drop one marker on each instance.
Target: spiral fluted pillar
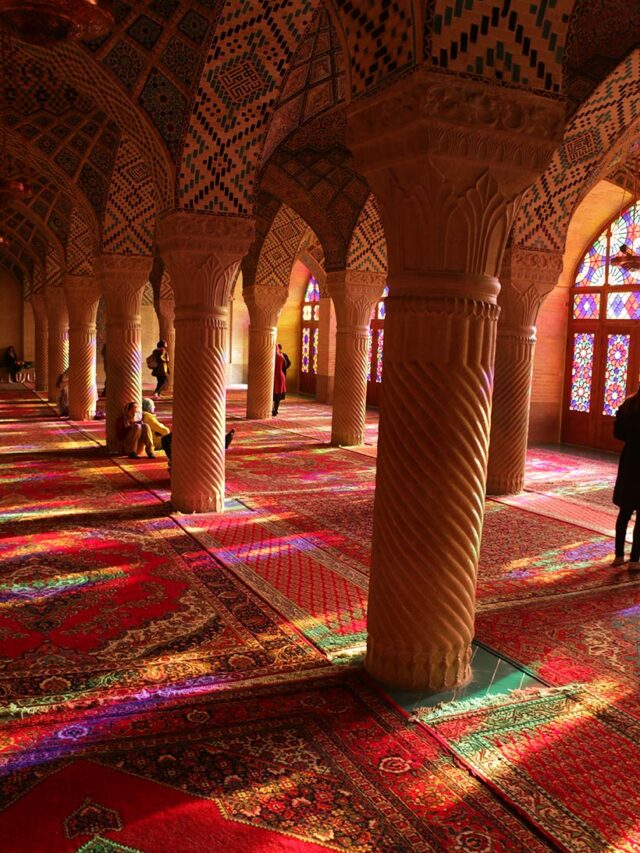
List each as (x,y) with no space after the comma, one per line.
(165,311)
(354,294)
(447,162)
(264,304)
(57,337)
(202,255)
(41,343)
(121,279)
(526,278)
(83,297)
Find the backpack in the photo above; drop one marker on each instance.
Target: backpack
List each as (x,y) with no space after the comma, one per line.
(152,362)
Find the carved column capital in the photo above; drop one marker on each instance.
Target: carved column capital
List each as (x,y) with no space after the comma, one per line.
(39,305)
(526,277)
(202,254)
(354,293)
(56,302)
(83,296)
(264,304)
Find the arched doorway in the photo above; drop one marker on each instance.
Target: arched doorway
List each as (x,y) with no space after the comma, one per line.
(310,334)
(376,351)
(603,347)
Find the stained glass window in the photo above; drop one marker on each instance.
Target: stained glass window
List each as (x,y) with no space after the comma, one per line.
(306,312)
(623,306)
(625,230)
(316,312)
(312,293)
(315,350)
(369,351)
(586,306)
(306,341)
(381,305)
(592,270)
(379,355)
(615,374)
(581,372)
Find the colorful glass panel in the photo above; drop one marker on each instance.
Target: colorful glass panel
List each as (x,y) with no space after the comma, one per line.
(381,305)
(581,372)
(306,340)
(379,350)
(312,293)
(615,374)
(306,312)
(315,350)
(369,358)
(625,230)
(592,270)
(586,306)
(623,306)
(316,312)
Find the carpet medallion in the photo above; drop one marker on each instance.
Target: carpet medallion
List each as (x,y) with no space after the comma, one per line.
(291,769)
(543,754)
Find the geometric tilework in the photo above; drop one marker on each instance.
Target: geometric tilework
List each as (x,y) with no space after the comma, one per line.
(590,141)
(239,86)
(280,248)
(53,268)
(518,43)
(368,247)
(79,246)
(130,215)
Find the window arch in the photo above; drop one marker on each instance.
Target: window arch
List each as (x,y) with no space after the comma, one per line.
(376,350)
(310,315)
(603,348)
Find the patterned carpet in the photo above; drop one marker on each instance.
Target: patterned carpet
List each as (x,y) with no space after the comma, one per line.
(571,475)
(315,768)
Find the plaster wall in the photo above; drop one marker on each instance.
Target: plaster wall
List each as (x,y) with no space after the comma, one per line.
(11,313)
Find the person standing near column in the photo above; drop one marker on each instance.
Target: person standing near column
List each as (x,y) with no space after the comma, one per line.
(161,369)
(279,382)
(626,494)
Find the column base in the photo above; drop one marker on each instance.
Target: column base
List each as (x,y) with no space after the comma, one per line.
(259,415)
(347,439)
(190,503)
(505,485)
(85,415)
(432,671)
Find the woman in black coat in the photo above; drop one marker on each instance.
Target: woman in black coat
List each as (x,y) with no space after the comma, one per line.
(626,494)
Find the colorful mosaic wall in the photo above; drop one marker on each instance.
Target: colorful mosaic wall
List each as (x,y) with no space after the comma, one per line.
(368,247)
(79,246)
(130,217)
(53,268)
(520,43)
(280,248)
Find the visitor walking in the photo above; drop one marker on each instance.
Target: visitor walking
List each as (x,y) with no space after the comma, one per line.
(279,381)
(160,367)
(626,494)
(133,434)
(12,363)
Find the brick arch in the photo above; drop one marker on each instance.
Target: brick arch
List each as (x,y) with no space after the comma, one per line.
(131,211)
(368,246)
(280,248)
(593,139)
(80,247)
(12,266)
(54,268)
(23,256)
(43,233)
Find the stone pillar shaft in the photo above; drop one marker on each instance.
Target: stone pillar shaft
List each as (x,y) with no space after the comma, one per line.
(202,255)
(57,337)
(526,277)
(82,297)
(121,279)
(354,294)
(41,341)
(447,161)
(264,304)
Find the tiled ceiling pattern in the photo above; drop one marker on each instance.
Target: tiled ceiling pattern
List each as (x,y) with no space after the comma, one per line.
(267,207)
(11,265)
(368,247)
(601,33)
(314,85)
(130,216)
(280,248)
(53,267)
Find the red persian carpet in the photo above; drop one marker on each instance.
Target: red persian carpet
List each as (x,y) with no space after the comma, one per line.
(564,759)
(572,476)
(313,768)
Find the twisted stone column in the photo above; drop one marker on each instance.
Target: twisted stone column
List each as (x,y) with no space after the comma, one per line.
(264,304)
(121,279)
(83,297)
(165,311)
(447,161)
(41,340)
(526,278)
(354,294)
(57,337)
(202,255)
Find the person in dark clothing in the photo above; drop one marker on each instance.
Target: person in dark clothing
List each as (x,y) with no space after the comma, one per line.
(12,363)
(287,360)
(166,442)
(161,369)
(279,381)
(626,494)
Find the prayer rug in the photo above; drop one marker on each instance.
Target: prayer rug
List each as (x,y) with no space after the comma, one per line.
(570,475)
(600,519)
(565,759)
(305,768)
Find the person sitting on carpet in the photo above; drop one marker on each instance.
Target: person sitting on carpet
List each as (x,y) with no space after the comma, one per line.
(12,363)
(166,441)
(158,430)
(133,434)
(626,494)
